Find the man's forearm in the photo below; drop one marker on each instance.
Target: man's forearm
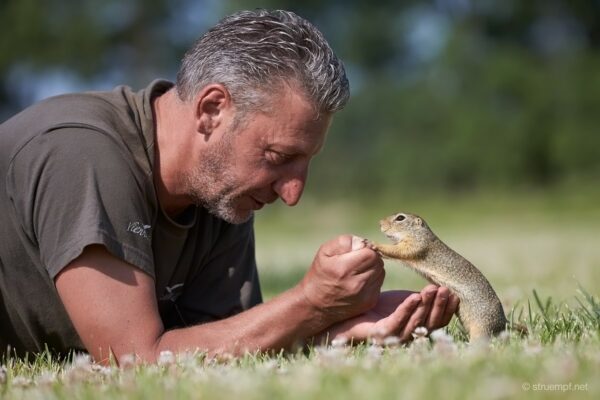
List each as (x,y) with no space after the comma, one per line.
(280,323)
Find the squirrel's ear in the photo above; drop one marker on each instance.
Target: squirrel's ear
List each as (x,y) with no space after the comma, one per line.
(419,221)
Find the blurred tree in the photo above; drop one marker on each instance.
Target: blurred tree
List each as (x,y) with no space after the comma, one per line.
(451,94)
(90,43)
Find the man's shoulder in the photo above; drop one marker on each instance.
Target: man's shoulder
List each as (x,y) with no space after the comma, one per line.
(121,114)
(83,110)
(101,110)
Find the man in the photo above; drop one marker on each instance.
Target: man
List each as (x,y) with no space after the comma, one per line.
(126,218)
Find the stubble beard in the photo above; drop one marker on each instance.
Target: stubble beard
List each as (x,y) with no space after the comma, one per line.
(212,184)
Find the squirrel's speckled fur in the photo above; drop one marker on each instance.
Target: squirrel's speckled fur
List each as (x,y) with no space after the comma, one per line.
(480,309)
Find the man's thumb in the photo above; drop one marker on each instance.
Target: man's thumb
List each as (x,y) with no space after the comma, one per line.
(343,244)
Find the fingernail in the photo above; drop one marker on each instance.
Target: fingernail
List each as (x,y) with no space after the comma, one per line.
(357,243)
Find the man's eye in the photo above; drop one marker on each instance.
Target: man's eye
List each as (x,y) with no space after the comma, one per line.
(276,157)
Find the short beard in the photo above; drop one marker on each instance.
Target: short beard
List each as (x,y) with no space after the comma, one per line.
(212,184)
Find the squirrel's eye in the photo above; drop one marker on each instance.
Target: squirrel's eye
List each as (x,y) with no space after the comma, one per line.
(400,218)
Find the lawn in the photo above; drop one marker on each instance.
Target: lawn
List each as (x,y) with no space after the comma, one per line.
(540,252)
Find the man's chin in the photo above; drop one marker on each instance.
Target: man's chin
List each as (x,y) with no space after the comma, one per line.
(240,218)
(235,217)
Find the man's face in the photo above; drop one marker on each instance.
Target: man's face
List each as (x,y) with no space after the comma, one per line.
(266,157)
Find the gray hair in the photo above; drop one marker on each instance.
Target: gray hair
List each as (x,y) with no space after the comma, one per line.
(250,52)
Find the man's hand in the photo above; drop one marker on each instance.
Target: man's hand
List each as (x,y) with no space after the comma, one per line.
(398,313)
(344,280)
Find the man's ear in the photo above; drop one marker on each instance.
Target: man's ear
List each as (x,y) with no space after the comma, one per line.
(213,104)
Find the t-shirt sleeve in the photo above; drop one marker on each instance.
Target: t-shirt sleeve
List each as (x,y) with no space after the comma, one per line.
(75,187)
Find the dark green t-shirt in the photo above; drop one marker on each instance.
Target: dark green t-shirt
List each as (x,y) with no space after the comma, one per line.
(76,170)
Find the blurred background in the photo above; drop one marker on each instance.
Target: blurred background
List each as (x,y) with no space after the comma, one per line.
(482,116)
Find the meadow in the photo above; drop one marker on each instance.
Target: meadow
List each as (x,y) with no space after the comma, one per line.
(539,250)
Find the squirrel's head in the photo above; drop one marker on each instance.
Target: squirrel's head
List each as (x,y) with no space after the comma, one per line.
(400,225)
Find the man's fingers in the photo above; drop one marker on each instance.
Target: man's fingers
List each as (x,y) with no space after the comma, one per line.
(451,308)
(335,247)
(419,317)
(363,260)
(438,309)
(343,244)
(378,277)
(390,300)
(397,320)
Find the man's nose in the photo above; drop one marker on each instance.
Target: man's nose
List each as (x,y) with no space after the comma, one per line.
(290,189)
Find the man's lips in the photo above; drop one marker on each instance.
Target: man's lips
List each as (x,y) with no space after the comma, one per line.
(257,203)
(260,202)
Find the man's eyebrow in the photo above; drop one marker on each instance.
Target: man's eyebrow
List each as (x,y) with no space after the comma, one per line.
(289,149)
(295,151)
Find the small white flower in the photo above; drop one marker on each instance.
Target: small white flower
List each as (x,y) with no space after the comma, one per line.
(166,357)
(443,344)
(190,359)
(127,361)
(21,381)
(332,355)
(270,365)
(374,351)
(440,335)
(391,341)
(46,378)
(372,357)
(102,370)
(419,332)
(82,361)
(339,342)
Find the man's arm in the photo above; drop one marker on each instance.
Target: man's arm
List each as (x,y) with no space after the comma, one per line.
(113,306)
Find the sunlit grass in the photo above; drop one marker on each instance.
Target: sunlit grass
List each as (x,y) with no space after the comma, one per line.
(560,356)
(540,252)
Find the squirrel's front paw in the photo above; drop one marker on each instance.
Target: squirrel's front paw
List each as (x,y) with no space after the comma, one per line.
(370,245)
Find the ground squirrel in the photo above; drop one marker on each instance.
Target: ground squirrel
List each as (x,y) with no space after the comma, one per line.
(480,310)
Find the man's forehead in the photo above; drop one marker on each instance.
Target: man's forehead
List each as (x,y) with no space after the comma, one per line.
(307,138)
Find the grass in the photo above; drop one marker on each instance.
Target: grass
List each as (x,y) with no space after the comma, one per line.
(540,253)
(559,358)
